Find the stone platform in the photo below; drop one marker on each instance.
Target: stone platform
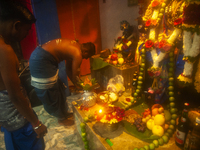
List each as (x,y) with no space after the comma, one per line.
(103,71)
(120,140)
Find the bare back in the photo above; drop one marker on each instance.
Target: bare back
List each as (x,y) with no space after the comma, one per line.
(63,49)
(9,65)
(68,50)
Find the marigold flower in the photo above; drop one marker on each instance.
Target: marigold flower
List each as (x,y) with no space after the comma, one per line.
(178,21)
(155,3)
(129,43)
(125,47)
(162,43)
(166,47)
(154,22)
(156,44)
(148,23)
(125,40)
(149,44)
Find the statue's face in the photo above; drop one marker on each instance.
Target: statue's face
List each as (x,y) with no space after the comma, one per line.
(124,26)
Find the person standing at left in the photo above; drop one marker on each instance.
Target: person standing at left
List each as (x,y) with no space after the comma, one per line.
(21,127)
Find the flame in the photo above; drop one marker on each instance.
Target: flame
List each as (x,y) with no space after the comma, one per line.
(100,111)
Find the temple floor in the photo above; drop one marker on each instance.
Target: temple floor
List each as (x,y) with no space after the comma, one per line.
(58,137)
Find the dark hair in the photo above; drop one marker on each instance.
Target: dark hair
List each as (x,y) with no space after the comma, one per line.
(13,10)
(90,47)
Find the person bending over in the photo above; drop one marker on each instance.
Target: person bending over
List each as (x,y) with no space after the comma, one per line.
(21,127)
(43,65)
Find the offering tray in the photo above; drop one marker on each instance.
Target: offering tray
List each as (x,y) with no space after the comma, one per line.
(107,97)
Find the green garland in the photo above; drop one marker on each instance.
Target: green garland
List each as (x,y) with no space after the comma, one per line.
(193,30)
(189,59)
(84,134)
(173,110)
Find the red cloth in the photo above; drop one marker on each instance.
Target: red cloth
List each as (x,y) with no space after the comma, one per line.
(80,19)
(29,43)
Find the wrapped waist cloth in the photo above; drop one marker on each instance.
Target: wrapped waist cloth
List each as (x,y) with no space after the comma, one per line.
(44,83)
(10,118)
(43,68)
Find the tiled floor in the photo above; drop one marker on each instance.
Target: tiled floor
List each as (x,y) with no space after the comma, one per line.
(58,137)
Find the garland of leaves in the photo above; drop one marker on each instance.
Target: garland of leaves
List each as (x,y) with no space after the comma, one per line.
(84,134)
(173,110)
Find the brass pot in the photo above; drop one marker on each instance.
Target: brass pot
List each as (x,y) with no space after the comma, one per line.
(89,98)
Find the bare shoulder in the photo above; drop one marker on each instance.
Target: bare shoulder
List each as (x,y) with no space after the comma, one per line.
(5,48)
(71,46)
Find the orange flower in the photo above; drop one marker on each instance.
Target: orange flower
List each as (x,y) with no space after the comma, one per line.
(87,81)
(154,22)
(148,23)
(149,44)
(155,3)
(162,43)
(167,47)
(178,21)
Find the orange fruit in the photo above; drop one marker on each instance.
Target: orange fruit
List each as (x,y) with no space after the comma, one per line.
(155,111)
(165,126)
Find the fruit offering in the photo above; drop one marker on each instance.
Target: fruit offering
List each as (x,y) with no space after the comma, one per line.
(141,126)
(146,113)
(157,109)
(114,57)
(110,114)
(107,97)
(130,116)
(88,84)
(158,123)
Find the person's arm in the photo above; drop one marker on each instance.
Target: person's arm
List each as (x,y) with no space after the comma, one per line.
(8,70)
(72,68)
(68,64)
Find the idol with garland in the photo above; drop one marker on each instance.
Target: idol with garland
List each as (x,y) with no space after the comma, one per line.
(125,45)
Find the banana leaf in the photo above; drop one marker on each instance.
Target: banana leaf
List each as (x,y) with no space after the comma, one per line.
(145,136)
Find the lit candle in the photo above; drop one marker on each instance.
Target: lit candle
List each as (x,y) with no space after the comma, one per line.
(100,111)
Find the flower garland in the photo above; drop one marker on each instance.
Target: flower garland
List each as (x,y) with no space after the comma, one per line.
(191,38)
(197,79)
(84,134)
(88,84)
(122,44)
(165,44)
(113,117)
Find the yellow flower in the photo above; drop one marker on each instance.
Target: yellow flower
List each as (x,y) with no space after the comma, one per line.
(129,43)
